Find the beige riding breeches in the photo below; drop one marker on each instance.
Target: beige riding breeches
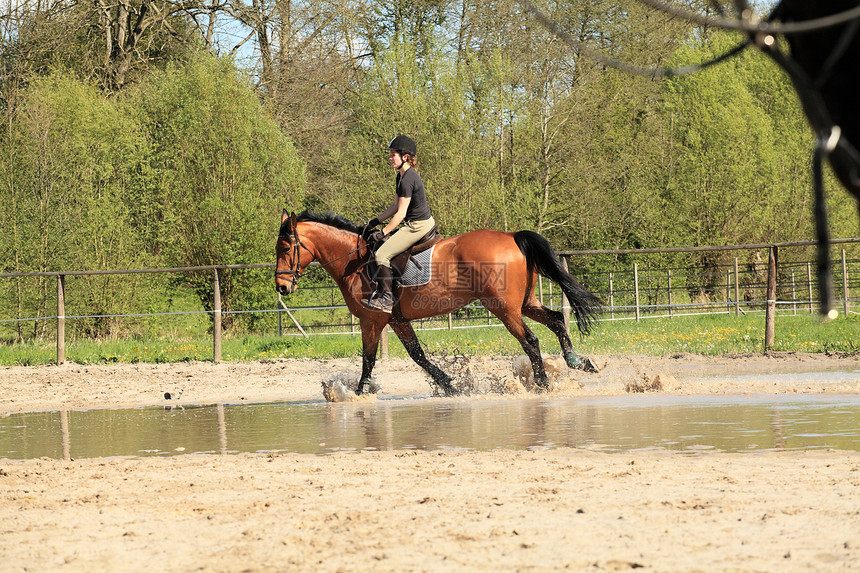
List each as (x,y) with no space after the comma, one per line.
(406,236)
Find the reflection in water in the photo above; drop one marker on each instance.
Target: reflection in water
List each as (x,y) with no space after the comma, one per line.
(64,428)
(222,429)
(615,424)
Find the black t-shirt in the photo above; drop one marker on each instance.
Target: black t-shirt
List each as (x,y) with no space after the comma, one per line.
(410,185)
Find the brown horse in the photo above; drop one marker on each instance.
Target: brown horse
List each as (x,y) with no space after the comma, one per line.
(498,269)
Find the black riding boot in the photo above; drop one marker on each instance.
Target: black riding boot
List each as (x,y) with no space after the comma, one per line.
(382,299)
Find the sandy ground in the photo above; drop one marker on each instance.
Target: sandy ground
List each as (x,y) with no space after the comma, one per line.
(428,511)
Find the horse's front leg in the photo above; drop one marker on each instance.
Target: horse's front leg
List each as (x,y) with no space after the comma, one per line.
(406,334)
(370,332)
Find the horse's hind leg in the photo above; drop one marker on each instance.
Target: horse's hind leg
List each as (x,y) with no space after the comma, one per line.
(406,334)
(554,320)
(527,339)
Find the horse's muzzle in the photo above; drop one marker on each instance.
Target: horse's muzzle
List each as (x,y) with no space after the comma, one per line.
(285,289)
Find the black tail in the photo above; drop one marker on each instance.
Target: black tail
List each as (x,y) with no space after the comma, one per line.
(540,256)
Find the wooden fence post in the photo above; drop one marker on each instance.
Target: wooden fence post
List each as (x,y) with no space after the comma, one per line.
(669,290)
(793,296)
(61,319)
(540,289)
(846,306)
(384,342)
(216,318)
(636,288)
(770,313)
(737,289)
(728,292)
(611,298)
(809,284)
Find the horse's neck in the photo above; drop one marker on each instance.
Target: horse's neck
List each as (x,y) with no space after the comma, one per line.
(332,248)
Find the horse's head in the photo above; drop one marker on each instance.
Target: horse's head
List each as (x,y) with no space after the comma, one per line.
(289,250)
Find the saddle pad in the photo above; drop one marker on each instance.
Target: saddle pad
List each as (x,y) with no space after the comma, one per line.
(413,275)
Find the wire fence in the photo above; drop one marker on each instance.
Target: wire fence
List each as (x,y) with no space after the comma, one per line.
(766,279)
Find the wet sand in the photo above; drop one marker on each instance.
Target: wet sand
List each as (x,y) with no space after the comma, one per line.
(429,511)
(74,386)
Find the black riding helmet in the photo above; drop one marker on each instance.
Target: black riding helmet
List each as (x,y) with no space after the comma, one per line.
(403,144)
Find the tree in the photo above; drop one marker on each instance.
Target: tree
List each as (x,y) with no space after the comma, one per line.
(72,167)
(224,170)
(113,40)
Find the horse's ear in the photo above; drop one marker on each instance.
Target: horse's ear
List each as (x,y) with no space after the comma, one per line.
(294,220)
(284,217)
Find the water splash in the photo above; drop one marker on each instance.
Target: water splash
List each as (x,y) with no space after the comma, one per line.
(341,388)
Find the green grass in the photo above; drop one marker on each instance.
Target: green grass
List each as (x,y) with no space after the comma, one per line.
(706,335)
(721,334)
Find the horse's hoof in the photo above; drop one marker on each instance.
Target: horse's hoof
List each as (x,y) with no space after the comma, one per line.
(542,385)
(363,388)
(580,362)
(446,387)
(588,365)
(573,360)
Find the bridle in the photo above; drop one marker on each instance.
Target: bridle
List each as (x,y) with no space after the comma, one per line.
(295,257)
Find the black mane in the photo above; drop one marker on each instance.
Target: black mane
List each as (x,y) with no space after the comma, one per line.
(332,220)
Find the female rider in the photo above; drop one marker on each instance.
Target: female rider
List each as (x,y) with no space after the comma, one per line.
(410,207)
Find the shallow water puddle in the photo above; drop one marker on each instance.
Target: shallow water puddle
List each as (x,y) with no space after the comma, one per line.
(614,424)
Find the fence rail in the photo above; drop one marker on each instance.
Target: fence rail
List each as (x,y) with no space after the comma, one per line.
(631,293)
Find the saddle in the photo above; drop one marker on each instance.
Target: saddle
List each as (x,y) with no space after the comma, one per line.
(398,263)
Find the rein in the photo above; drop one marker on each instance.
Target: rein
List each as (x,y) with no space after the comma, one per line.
(828,143)
(755,30)
(297,245)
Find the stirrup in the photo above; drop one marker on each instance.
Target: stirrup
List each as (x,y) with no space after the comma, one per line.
(377,305)
(372,301)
